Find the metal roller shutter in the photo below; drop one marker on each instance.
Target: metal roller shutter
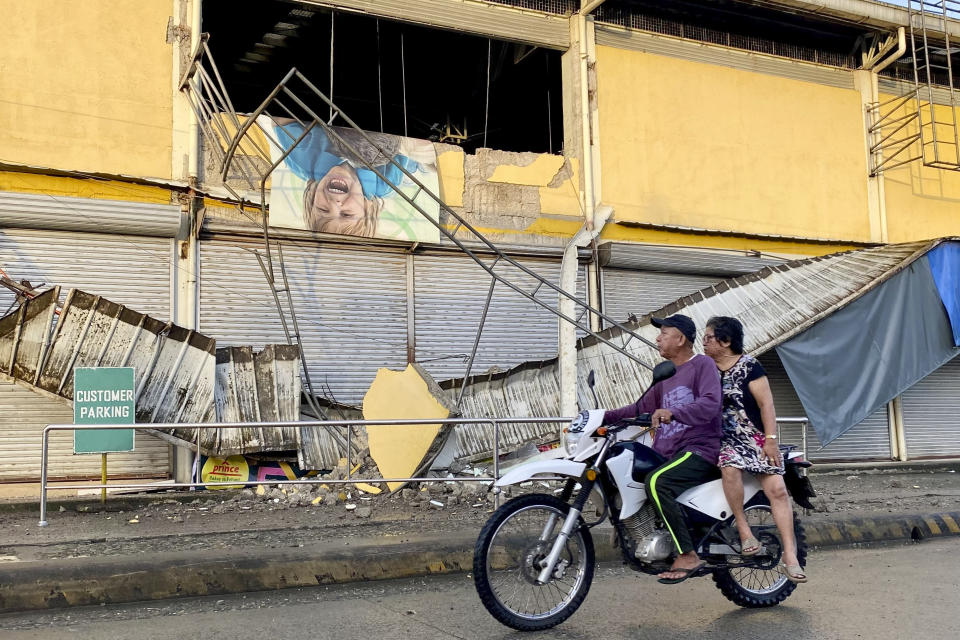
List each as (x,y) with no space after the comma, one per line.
(450,291)
(626,291)
(130,270)
(63,213)
(869,440)
(350,303)
(931,413)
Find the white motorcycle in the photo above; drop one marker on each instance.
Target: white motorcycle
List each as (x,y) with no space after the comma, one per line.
(534,560)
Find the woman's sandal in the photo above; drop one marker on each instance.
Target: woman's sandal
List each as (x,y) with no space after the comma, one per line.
(750,547)
(794,573)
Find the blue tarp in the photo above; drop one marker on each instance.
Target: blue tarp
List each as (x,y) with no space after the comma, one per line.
(945,266)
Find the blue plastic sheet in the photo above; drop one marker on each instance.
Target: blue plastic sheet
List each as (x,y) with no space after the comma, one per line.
(945,266)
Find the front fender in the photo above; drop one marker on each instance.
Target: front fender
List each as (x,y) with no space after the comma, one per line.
(541,468)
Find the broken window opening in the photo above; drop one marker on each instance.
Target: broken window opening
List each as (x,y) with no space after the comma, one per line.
(393,77)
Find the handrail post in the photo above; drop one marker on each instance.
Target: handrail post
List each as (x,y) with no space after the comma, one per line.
(803,437)
(43,476)
(496,461)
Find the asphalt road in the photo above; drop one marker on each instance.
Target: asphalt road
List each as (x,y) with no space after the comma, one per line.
(890,592)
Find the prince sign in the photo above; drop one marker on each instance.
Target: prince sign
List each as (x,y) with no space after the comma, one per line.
(103,395)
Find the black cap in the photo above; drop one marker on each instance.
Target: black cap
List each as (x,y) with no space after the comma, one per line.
(680,322)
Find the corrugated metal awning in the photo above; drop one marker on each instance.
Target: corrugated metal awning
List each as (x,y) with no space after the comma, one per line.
(776,303)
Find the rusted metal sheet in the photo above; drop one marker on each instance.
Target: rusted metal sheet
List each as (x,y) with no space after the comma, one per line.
(173,366)
(180,376)
(25,335)
(257,387)
(774,304)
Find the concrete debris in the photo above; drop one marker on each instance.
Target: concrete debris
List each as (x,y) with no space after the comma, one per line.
(403,451)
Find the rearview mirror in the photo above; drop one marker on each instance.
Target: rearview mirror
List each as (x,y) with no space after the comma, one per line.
(662,371)
(591,379)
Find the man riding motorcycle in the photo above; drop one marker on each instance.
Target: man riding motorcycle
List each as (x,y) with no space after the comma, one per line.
(686,410)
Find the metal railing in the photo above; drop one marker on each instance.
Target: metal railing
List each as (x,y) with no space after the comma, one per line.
(803,422)
(495,423)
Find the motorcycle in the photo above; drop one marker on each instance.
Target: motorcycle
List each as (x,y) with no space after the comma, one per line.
(534,560)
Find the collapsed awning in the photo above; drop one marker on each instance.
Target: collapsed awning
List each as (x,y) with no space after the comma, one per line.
(781,306)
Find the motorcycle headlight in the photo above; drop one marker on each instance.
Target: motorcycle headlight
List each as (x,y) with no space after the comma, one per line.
(574,432)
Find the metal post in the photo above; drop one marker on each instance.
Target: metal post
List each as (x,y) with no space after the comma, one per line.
(496,459)
(103,478)
(476,341)
(43,476)
(803,436)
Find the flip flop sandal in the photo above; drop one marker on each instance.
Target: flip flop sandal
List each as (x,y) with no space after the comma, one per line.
(750,547)
(687,573)
(794,573)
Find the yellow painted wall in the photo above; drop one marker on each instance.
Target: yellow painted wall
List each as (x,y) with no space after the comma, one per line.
(82,187)
(87,85)
(707,146)
(924,202)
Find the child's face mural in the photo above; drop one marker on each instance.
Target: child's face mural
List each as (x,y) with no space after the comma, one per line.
(338,203)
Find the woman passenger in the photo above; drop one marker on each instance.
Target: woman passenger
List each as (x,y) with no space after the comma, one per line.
(750,438)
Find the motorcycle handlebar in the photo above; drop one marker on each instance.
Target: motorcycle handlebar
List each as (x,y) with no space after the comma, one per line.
(642,420)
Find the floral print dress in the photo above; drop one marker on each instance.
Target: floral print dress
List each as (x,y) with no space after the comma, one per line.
(743,439)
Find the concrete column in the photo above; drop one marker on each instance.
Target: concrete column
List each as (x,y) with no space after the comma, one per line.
(187,290)
(578,118)
(866,83)
(185,30)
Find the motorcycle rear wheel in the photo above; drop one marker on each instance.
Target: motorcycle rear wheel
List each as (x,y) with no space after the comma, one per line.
(764,586)
(515,538)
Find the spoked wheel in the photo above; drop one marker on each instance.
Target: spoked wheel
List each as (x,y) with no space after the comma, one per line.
(762,585)
(506,564)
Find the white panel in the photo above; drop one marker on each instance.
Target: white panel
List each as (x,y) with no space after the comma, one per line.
(63,213)
(506,23)
(869,440)
(450,294)
(931,413)
(628,292)
(648,257)
(129,270)
(350,304)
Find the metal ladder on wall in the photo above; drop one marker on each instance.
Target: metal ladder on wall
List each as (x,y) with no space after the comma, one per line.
(921,123)
(246,165)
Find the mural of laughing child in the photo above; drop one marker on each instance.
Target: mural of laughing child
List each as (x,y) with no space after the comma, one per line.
(323,186)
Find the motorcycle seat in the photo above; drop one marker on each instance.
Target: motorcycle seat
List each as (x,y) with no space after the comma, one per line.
(645,460)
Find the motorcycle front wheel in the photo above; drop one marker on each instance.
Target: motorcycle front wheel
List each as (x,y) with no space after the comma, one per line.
(506,564)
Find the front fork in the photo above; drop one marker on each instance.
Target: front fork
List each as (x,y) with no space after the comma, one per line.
(548,565)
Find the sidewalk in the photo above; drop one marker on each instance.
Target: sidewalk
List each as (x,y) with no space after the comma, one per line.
(205,543)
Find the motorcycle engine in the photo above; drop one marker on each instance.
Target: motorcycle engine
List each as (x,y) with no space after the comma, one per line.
(656,546)
(652,543)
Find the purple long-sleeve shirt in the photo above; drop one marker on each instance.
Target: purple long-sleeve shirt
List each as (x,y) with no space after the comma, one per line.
(695,398)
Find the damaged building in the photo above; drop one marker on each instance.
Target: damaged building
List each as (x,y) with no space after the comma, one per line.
(730,139)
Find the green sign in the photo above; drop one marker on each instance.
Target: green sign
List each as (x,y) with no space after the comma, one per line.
(103,395)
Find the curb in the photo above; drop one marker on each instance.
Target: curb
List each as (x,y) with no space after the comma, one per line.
(856,531)
(90,581)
